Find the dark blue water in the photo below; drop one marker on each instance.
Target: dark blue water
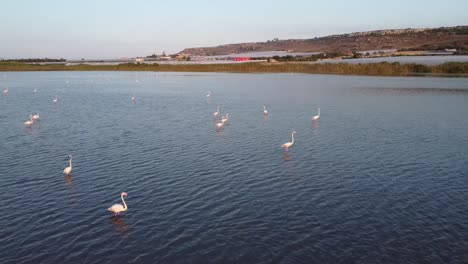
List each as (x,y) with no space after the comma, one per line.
(380,178)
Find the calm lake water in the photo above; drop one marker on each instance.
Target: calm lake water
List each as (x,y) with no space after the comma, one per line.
(427,60)
(381,177)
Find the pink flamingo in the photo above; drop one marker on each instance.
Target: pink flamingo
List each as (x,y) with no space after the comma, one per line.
(35,117)
(118,208)
(224,119)
(289,144)
(215,114)
(29,122)
(265,112)
(316,117)
(68,169)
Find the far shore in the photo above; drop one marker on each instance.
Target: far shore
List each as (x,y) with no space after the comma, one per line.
(450,69)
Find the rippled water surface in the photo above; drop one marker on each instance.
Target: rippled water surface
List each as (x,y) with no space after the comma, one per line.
(381,177)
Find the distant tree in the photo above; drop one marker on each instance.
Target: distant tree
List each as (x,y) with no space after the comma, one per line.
(33,60)
(356,55)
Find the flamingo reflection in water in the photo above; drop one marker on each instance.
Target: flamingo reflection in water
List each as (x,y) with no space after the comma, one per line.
(119,224)
(287,156)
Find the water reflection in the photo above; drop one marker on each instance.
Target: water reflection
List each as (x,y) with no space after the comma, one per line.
(28,129)
(407,91)
(120,226)
(315,127)
(69,181)
(311,189)
(73,195)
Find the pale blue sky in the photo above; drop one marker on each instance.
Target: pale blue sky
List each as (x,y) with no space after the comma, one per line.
(123,28)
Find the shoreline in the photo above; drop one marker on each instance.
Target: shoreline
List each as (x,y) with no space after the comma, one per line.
(450,69)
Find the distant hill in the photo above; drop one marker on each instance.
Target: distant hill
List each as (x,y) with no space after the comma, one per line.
(400,39)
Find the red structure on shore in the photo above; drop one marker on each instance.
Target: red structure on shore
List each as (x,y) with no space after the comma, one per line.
(241,58)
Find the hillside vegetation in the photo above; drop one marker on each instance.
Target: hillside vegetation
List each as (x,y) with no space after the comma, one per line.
(399,39)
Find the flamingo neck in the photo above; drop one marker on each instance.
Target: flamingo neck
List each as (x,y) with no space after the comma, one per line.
(123,201)
(292,135)
(70,163)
